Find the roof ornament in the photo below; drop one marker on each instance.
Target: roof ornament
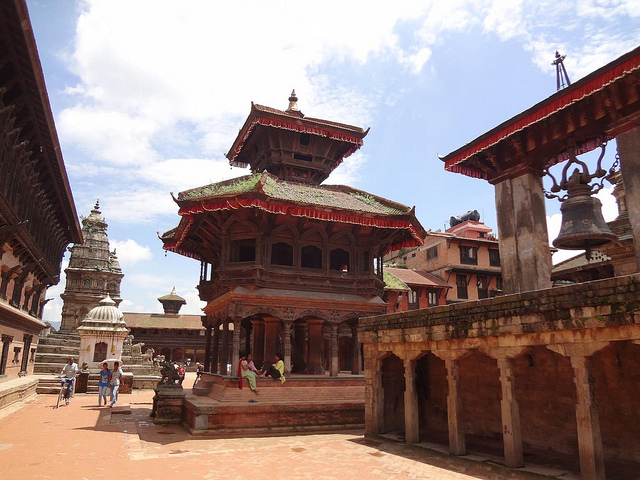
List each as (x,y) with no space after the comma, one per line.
(562,79)
(293,102)
(96,208)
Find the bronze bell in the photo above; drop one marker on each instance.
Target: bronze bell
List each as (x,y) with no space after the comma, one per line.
(583,226)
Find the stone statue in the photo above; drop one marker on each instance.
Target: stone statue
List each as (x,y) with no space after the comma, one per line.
(128,340)
(136,350)
(147,357)
(170,375)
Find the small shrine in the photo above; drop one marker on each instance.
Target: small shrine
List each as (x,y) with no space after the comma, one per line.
(102,334)
(289,263)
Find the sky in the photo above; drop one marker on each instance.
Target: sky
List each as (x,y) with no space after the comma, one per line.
(149,95)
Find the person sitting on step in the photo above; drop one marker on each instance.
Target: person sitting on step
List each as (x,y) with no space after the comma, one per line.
(245,372)
(275,370)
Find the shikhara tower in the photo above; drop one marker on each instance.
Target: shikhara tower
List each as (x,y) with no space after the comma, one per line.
(93,272)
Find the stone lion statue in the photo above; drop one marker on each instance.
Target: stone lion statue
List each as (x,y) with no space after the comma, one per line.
(147,357)
(136,350)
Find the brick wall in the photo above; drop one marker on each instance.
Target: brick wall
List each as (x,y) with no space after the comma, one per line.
(480,392)
(432,389)
(393,386)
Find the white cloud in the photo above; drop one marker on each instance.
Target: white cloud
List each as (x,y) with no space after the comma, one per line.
(129,252)
(52,312)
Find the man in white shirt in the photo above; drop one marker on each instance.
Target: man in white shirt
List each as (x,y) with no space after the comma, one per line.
(68,375)
(115,377)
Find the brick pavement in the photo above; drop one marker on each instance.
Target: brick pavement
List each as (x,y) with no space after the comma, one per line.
(82,441)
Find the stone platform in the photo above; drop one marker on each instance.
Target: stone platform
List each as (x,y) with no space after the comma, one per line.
(304,403)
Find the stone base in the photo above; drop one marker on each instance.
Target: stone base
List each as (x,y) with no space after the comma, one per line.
(304,403)
(17,390)
(168,404)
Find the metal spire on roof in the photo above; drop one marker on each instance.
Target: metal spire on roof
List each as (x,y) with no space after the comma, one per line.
(562,79)
(293,102)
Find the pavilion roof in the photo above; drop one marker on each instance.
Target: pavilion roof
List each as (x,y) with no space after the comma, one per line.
(294,120)
(332,203)
(469,160)
(159,320)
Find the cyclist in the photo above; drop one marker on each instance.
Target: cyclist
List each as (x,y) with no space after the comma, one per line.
(68,375)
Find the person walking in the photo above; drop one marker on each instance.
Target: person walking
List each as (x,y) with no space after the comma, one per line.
(68,375)
(103,385)
(115,377)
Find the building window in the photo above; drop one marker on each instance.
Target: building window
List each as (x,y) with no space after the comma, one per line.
(432,253)
(480,234)
(311,257)
(432,297)
(494,257)
(339,260)
(461,283)
(499,284)
(468,255)
(243,250)
(305,138)
(282,254)
(16,355)
(413,300)
(6,343)
(483,287)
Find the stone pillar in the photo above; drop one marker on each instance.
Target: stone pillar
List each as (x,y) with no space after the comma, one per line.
(454,401)
(355,369)
(589,439)
(287,346)
(511,430)
(224,348)
(334,364)
(411,415)
(215,353)
(629,151)
(258,341)
(315,343)
(374,393)
(207,347)
(271,327)
(522,226)
(235,359)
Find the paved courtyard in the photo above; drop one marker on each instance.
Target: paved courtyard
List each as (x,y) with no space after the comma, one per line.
(82,441)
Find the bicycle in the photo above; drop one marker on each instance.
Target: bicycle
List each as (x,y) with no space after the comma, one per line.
(66,385)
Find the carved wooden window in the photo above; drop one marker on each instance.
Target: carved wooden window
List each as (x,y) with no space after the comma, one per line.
(432,298)
(311,257)
(468,255)
(413,300)
(483,286)
(282,254)
(100,352)
(6,343)
(339,260)
(461,283)
(494,257)
(243,250)
(432,253)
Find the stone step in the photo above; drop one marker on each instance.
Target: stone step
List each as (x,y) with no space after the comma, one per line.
(59,337)
(296,394)
(51,368)
(55,358)
(65,349)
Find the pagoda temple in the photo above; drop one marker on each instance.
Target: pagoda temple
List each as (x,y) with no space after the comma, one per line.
(288,265)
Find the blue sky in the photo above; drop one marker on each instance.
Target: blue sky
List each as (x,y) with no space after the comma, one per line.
(149,95)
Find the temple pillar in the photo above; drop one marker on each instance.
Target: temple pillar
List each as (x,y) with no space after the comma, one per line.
(629,152)
(355,369)
(247,338)
(224,348)
(235,358)
(525,258)
(271,326)
(334,364)
(454,401)
(411,416)
(587,419)
(258,341)
(287,346)
(207,345)
(215,353)
(314,362)
(374,394)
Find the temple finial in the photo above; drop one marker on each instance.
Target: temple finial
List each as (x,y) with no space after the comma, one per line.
(293,102)
(96,207)
(562,79)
